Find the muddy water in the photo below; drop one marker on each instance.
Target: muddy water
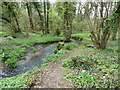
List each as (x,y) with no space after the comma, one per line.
(24,66)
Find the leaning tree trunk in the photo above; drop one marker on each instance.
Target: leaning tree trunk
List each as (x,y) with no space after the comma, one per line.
(17,23)
(14,15)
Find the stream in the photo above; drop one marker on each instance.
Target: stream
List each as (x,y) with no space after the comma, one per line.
(25,66)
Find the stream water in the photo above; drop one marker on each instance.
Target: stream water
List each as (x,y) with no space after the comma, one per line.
(24,67)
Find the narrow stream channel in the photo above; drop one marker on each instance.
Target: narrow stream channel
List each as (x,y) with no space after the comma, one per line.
(24,67)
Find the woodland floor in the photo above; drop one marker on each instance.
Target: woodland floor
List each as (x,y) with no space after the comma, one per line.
(52,73)
(52,77)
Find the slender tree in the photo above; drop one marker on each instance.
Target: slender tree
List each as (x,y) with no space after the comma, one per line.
(45,17)
(29,8)
(116,22)
(38,8)
(47,20)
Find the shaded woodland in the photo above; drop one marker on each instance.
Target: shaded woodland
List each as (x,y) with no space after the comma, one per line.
(85,35)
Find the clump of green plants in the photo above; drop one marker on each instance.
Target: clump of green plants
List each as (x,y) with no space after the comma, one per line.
(60,53)
(59,46)
(86,42)
(82,80)
(93,71)
(11,54)
(92,80)
(84,37)
(67,63)
(84,62)
(81,35)
(55,57)
(76,37)
(70,46)
(19,81)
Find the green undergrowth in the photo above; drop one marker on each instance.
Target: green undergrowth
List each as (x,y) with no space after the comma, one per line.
(4,33)
(70,46)
(54,57)
(14,48)
(111,50)
(31,40)
(26,79)
(81,35)
(84,37)
(10,55)
(60,53)
(20,81)
(93,68)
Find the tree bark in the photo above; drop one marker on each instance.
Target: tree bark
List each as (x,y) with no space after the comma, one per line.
(101,32)
(45,24)
(29,8)
(47,20)
(39,11)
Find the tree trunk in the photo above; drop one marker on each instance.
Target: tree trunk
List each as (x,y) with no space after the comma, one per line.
(29,8)
(17,23)
(114,34)
(45,24)
(17,30)
(47,21)
(101,32)
(67,20)
(38,9)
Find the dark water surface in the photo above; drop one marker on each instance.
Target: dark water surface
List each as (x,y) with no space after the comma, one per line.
(24,67)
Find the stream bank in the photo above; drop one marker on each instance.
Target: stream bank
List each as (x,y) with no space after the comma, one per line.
(32,60)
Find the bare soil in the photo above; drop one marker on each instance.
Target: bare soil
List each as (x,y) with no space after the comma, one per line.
(52,77)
